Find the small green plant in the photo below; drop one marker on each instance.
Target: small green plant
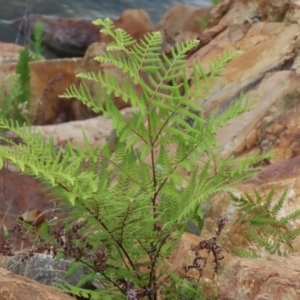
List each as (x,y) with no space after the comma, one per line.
(267,230)
(203,21)
(16,91)
(216,2)
(10,95)
(36,44)
(128,208)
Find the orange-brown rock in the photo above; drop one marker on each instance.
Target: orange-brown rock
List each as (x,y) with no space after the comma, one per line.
(255,73)
(230,12)
(20,288)
(280,176)
(183,18)
(50,79)
(273,277)
(19,193)
(136,22)
(181,23)
(183,256)
(9,52)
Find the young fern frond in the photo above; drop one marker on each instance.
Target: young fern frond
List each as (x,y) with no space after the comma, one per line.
(268,231)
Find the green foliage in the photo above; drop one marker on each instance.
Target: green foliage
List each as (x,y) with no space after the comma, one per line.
(23,70)
(269,231)
(135,201)
(16,91)
(203,22)
(216,2)
(180,288)
(36,45)
(10,94)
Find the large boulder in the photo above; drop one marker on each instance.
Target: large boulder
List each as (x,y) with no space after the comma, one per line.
(64,36)
(19,288)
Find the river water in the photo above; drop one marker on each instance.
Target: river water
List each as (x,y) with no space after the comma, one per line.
(83,9)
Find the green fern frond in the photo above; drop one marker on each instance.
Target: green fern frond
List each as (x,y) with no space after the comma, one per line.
(269,231)
(245,253)
(268,200)
(290,235)
(291,217)
(278,206)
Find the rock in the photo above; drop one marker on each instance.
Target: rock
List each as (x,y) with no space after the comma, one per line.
(72,37)
(230,12)
(46,107)
(9,53)
(51,78)
(96,130)
(33,217)
(136,22)
(293,13)
(273,11)
(19,288)
(181,18)
(67,37)
(181,23)
(254,73)
(261,279)
(18,193)
(280,176)
(183,256)
(95,49)
(44,269)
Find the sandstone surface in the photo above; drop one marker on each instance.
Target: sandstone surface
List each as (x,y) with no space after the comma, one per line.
(19,288)
(261,279)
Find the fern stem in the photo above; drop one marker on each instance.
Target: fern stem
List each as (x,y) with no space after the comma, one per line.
(152,277)
(105,276)
(163,126)
(110,233)
(152,166)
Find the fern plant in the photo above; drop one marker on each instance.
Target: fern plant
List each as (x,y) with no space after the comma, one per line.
(133,203)
(267,230)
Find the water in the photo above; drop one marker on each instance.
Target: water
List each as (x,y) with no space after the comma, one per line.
(84,9)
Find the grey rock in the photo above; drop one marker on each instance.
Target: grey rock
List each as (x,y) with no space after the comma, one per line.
(45,269)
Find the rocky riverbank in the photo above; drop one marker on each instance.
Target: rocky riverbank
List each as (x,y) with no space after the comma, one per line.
(267,31)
